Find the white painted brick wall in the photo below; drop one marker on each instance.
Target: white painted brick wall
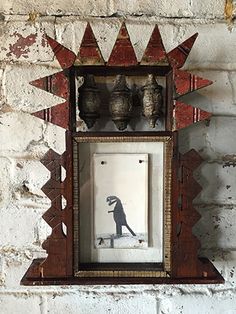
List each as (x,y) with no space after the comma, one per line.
(24,139)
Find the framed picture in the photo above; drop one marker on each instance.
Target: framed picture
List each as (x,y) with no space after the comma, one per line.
(122,193)
(122,204)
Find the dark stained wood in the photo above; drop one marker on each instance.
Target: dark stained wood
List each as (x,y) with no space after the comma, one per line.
(122,266)
(123,53)
(29,280)
(68,194)
(178,55)
(169,101)
(122,134)
(128,70)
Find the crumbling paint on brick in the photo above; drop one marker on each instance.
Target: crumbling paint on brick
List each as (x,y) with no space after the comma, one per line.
(229,12)
(21,46)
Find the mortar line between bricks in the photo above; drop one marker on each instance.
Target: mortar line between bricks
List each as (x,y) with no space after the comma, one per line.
(126,16)
(12,63)
(83,291)
(43,304)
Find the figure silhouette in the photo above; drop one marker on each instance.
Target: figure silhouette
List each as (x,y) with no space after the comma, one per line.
(118,215)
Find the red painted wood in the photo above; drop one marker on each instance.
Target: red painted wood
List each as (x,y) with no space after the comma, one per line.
(55,264)
(123,53)
(185,261)
(57,84)
(155,53)
(178,55)
(53,188)
(65,57)
(58,245)
(89,52)
(186,82)
(185,115)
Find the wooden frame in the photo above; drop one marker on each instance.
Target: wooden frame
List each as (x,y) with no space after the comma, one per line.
(182,263)
(120,269)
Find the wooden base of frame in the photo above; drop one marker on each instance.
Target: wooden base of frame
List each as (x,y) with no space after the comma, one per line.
(32,277)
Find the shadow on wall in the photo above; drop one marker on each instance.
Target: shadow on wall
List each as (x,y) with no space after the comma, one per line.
(207,203)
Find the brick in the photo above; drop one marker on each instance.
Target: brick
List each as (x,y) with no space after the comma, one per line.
(213,142)
(19,226)
(28,177)
(5,186)
(20,95)
(59,7)
(170,8)
(20,304)
(69,32)
(2,274)
(218,184)
(24,42)
(206,52)
(198,304)
(216,228)
(25,135)
(218,98)
(114,304)
(225,261)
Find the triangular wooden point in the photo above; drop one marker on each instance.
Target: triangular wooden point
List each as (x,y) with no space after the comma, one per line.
(89,52)
(65,57)
(186,82)
(123,53)
(178,55)
(58,115)
(155,53)
(185,115)
(56,84)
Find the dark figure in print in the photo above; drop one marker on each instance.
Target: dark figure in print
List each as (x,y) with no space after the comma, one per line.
(118,215)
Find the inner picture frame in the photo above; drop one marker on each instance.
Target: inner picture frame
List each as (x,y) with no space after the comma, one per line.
(156,151)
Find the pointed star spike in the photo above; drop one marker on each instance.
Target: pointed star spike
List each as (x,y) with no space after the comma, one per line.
(58,115)
(178,55)
(192,158)
(65,57)
(155,53)
(191,219)
(56,84)
(89,52)
(123,53)
(185,115)
(186,82)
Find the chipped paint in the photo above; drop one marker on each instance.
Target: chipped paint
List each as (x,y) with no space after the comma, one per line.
(229,12)
(33,16)
(21,47)
(229,161)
